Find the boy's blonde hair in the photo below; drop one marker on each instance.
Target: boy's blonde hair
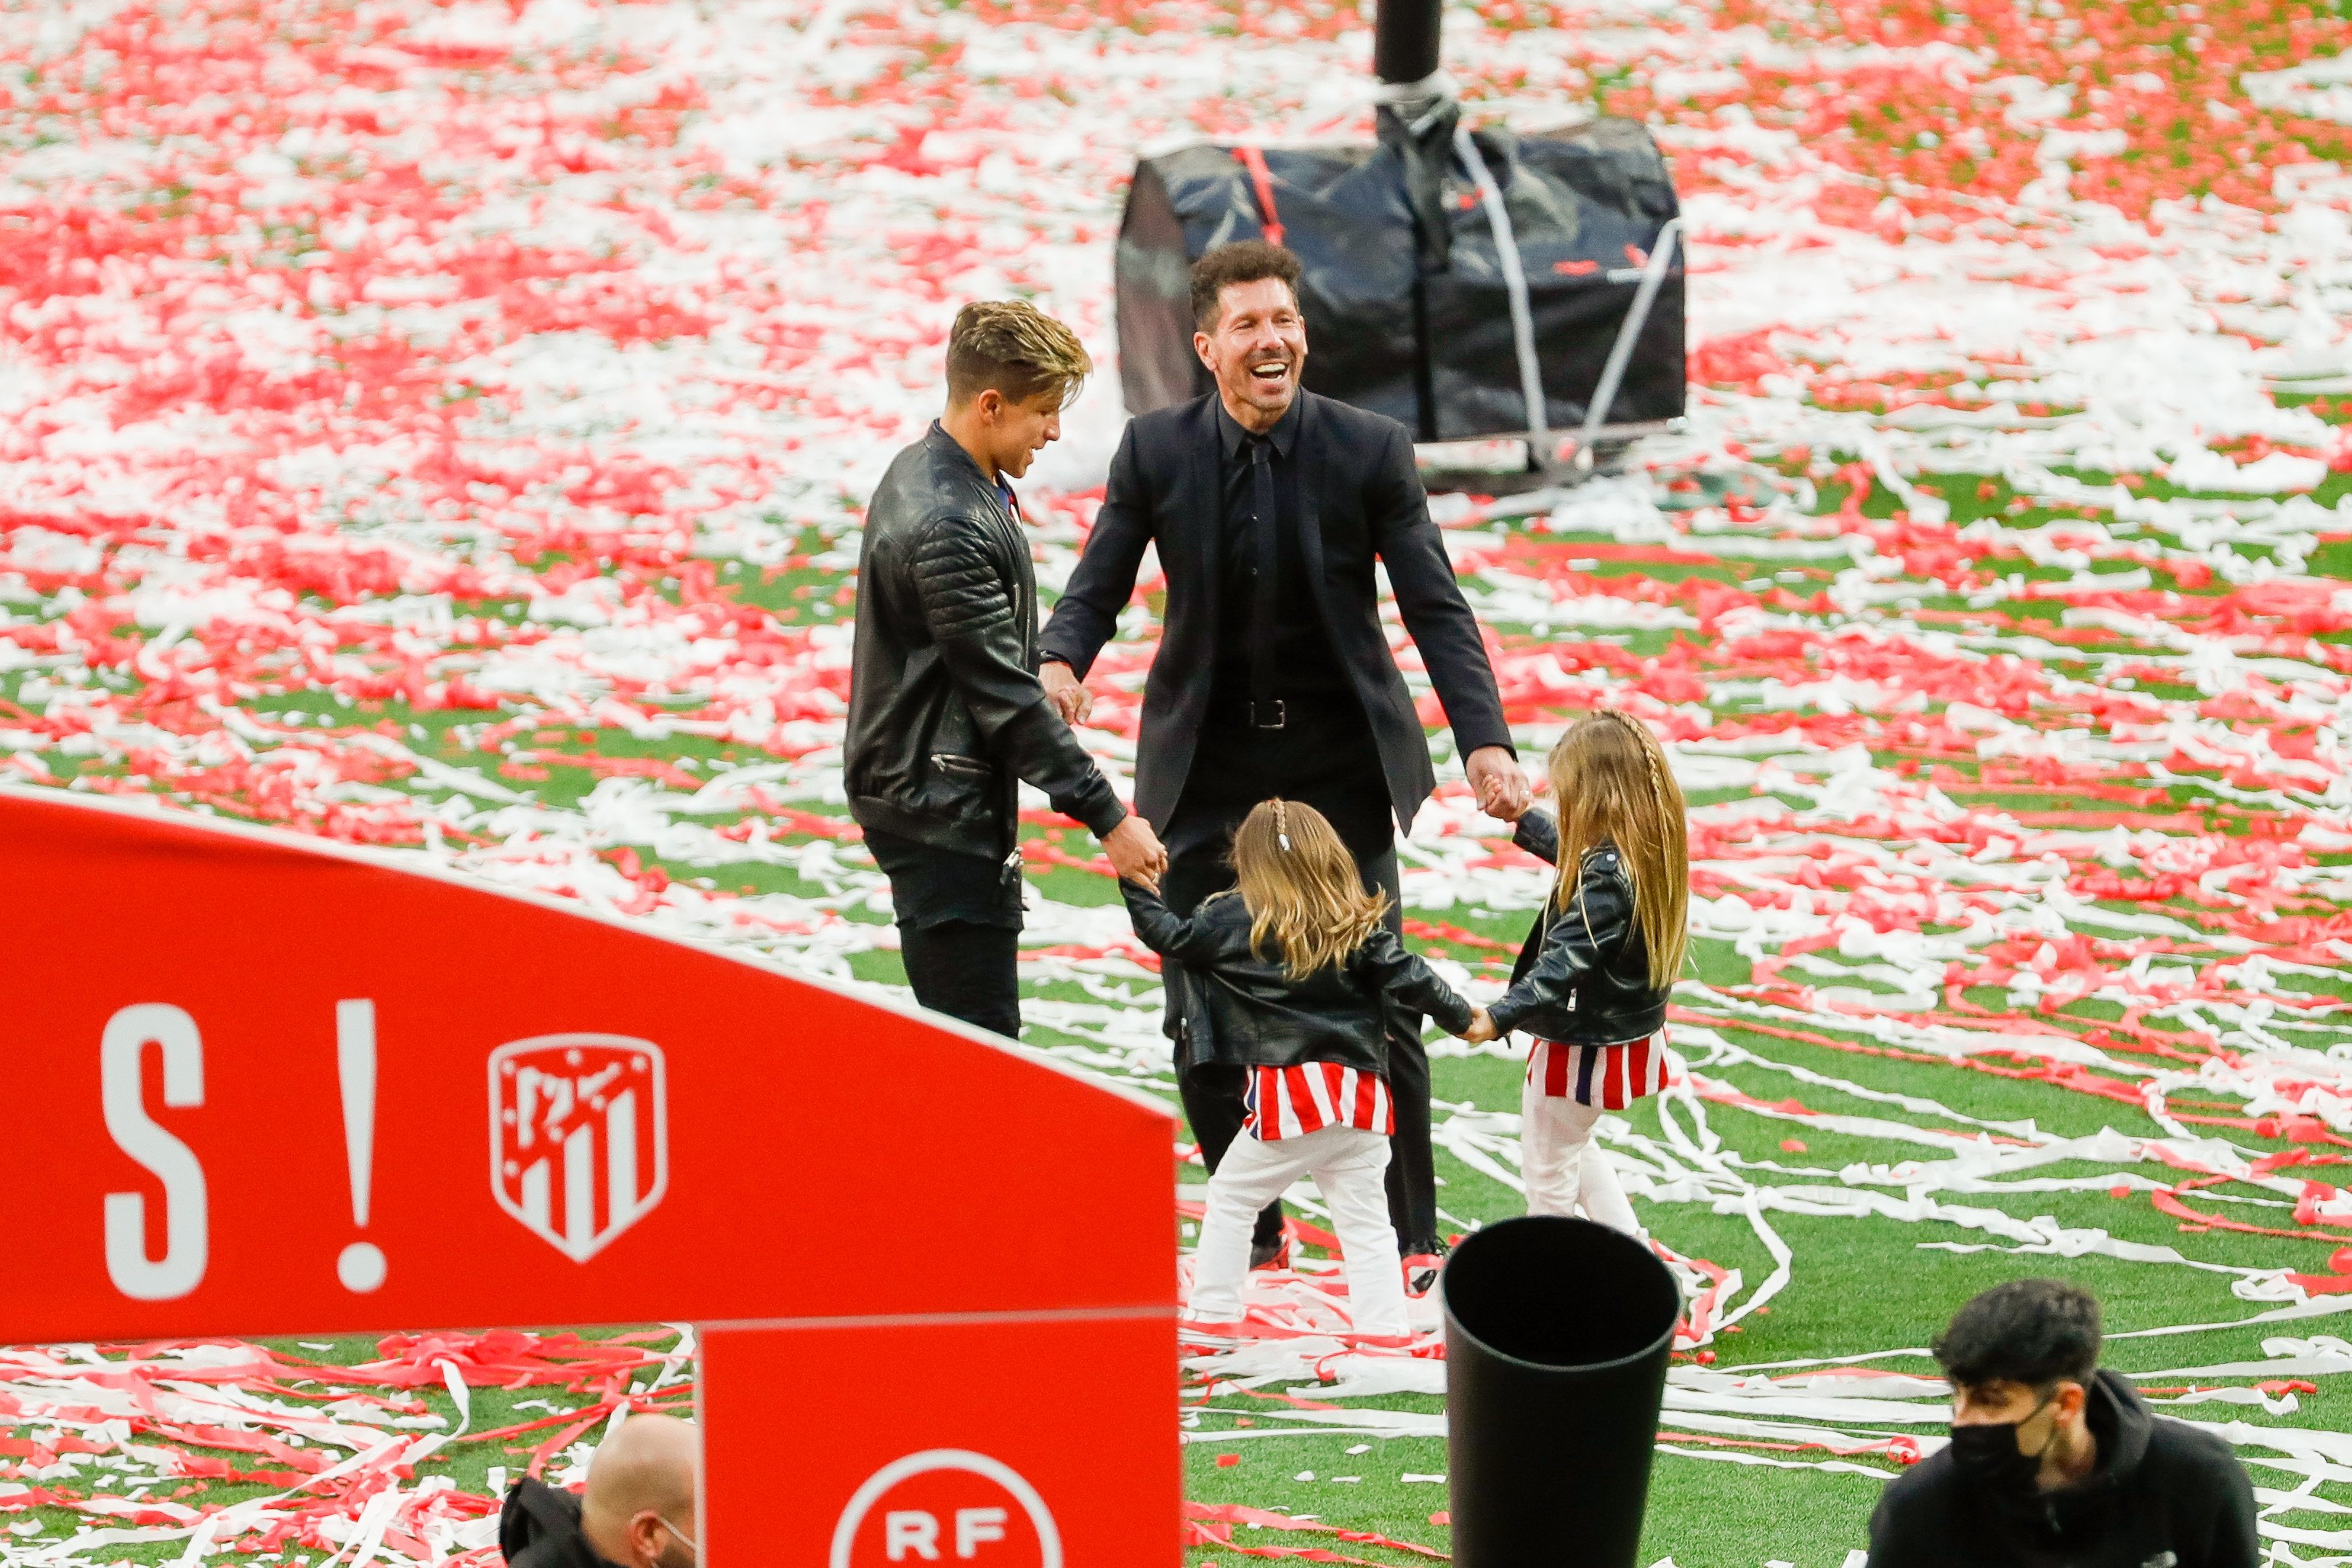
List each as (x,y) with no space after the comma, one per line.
(1611,783)
(1301,887)
(1015,348)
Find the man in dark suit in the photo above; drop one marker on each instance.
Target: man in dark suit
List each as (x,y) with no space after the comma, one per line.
(1269,506)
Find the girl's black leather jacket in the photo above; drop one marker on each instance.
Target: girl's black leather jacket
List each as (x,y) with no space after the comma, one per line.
(1583,977)
(1241,1008)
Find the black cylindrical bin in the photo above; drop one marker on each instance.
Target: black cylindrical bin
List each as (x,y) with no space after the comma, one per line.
(1404,40)
(1557,1333)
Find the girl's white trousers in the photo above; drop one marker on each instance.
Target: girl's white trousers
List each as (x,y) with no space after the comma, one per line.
(1348,1164)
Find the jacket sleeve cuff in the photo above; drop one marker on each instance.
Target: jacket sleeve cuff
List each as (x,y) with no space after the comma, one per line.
(1103,817)
(1048,654)
(1506,1015)
(1454,1017)
(1478,734)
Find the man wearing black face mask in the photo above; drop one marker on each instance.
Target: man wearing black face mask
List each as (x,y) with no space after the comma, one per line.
(2056,1464)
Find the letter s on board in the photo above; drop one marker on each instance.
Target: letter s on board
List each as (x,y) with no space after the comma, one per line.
(169,1161)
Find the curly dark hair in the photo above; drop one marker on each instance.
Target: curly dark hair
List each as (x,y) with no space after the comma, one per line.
(2034,1332)
(1243,262)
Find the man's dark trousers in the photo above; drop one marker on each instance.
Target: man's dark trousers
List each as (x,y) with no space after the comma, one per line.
(967,971)
(959,929)
(1325,760)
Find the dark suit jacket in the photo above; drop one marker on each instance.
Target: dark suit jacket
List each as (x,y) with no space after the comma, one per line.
(1358,500)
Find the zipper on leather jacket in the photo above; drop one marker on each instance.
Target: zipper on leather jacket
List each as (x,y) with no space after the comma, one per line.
(961,765)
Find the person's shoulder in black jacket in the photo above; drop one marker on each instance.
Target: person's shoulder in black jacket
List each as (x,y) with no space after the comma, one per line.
(1165,429)
(539,1527)
(1364,431)
(1583,975)
(1217,933)
(2164,1494)
(1215,942)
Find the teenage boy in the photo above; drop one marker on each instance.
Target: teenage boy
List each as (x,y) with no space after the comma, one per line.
(946,715)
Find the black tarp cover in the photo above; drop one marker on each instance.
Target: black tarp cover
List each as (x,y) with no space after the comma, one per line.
(1416,324)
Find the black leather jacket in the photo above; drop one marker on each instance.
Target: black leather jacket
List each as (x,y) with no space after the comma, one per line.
(1241,1008)
(1583,977)
(945,710)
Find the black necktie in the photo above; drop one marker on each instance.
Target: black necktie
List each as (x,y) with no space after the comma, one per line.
(1262,712)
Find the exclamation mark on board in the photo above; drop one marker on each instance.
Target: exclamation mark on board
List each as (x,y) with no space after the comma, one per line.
(360,1266)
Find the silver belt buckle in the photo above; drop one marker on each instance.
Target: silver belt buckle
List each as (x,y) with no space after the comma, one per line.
(1281,713)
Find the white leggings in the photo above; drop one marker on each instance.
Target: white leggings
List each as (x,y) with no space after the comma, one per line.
(1561,1164)
(1348,1166)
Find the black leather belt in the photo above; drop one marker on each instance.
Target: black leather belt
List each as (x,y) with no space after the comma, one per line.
(1254,714)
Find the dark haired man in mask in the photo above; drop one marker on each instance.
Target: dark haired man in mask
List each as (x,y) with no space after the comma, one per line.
(2054,1461)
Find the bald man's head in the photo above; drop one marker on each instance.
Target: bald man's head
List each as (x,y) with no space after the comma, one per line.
(639,1510)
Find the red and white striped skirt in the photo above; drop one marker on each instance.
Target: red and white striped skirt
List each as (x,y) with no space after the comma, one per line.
(1286,1103)
(1610,1077)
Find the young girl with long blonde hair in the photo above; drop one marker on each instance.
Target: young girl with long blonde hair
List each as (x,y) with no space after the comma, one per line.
(1292,975)
(1591,985)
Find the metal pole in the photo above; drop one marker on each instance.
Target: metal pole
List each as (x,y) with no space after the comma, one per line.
(1404,41)
(1622,351)
(1515,288)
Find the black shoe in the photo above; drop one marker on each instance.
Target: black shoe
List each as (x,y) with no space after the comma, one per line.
(1273,1254)
(1423,1263)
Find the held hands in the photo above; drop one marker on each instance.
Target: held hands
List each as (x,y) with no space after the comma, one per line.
(1136,852)
(1502,789)
(1482,1026)
(1066,692)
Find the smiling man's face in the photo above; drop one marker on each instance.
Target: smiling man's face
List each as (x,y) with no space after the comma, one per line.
(1255,351)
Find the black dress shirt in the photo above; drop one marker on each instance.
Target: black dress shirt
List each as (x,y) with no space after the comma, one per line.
(1303,669)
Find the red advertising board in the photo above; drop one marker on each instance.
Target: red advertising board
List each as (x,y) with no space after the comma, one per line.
(1020,1467)
(266,1084)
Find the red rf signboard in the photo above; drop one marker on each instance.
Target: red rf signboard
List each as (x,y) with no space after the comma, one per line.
(274,1085)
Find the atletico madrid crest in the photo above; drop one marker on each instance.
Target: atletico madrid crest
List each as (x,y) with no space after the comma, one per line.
(579,1136)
